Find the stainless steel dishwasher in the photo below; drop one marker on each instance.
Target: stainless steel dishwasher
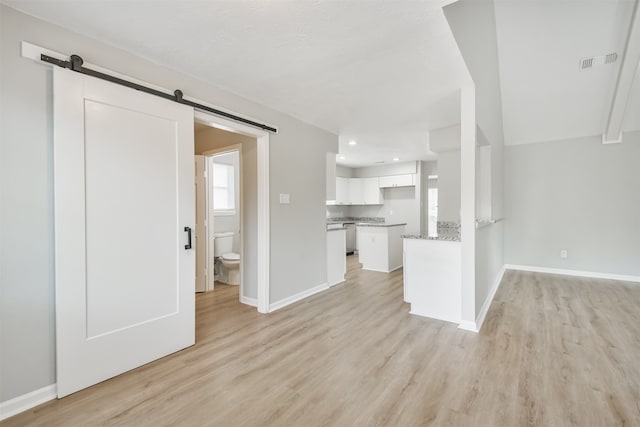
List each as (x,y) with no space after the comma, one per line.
(351,237)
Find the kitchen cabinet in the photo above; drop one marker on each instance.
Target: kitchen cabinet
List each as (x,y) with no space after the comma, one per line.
(342,191)
(406,180)
(356,196)
(357,191)
(380,246)
(372,195)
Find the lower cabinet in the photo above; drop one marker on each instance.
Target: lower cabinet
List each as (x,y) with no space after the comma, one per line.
(336,256)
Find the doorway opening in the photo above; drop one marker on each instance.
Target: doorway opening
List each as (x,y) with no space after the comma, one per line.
(232,208)
(218,214)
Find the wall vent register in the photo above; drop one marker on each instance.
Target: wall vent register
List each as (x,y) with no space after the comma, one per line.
(595,61)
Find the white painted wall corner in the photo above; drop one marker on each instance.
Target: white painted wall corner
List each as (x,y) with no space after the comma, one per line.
(297,297)
(27,401)
(477,325)
(487,302)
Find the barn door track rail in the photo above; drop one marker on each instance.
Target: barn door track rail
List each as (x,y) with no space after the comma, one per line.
(75,64)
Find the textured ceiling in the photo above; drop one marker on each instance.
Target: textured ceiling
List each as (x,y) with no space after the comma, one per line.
(381,72)
(544,94)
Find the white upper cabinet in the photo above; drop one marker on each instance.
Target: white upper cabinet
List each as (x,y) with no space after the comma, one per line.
(356,196)
(357,191)
(406,180)
(372,194)
(342,191)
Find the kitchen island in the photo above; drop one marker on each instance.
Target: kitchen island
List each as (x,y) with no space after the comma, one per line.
(380,246)
(433,274)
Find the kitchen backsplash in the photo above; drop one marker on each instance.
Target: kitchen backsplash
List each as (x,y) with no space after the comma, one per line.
(448,227)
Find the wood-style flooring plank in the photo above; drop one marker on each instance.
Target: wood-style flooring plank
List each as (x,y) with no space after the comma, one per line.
(554,351)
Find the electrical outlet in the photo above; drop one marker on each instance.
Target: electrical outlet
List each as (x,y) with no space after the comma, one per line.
(563,253)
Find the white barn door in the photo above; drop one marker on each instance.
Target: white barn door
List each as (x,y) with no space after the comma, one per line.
(124,193)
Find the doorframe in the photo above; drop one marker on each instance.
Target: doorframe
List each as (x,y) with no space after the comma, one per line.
(34,52)
(263,243)
(209,229)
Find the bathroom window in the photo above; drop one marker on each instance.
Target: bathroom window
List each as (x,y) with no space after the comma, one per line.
(224,200)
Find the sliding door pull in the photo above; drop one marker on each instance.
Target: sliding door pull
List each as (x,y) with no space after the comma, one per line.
(188,230)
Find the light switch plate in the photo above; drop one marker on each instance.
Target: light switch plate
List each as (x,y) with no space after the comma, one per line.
(284,199)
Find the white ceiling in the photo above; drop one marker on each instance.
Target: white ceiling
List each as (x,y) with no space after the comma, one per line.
(381,72)
(544,94)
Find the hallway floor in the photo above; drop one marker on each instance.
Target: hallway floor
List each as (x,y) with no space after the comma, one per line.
(554,350)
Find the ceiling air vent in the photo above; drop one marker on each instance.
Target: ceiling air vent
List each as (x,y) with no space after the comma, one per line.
(595,61)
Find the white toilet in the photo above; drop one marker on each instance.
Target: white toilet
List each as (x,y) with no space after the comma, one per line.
(222,248)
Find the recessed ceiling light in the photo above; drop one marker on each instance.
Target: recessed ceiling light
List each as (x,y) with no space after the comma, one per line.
(352,142)
(395,159)
(341,157)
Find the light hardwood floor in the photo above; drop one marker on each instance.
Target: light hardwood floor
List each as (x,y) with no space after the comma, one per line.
(554,351)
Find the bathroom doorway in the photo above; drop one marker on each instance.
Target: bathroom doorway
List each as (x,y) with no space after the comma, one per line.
(223,215)
(227,238)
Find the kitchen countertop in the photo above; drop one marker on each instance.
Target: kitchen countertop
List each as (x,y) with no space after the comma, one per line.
(335,228)
(354,220)
(445,237)
(378,224)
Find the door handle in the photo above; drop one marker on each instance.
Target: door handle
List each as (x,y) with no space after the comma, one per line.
(188,230)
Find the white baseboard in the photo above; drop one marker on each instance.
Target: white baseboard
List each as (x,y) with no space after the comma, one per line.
(249,301)
(430,316)
(477,325)
(578,273)
(297,297)
(396,268)
(468,326)
(487,302)
(383,271)
(27,401)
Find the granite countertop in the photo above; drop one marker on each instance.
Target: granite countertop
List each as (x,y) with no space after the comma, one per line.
(446,237)
(355,220)
(448,231)
(378,224)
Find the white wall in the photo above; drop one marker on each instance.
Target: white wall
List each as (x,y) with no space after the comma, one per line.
(344,172)
(449,186)
(426,169)
(445,139)
(578,195)
(297,167)
(474,27)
